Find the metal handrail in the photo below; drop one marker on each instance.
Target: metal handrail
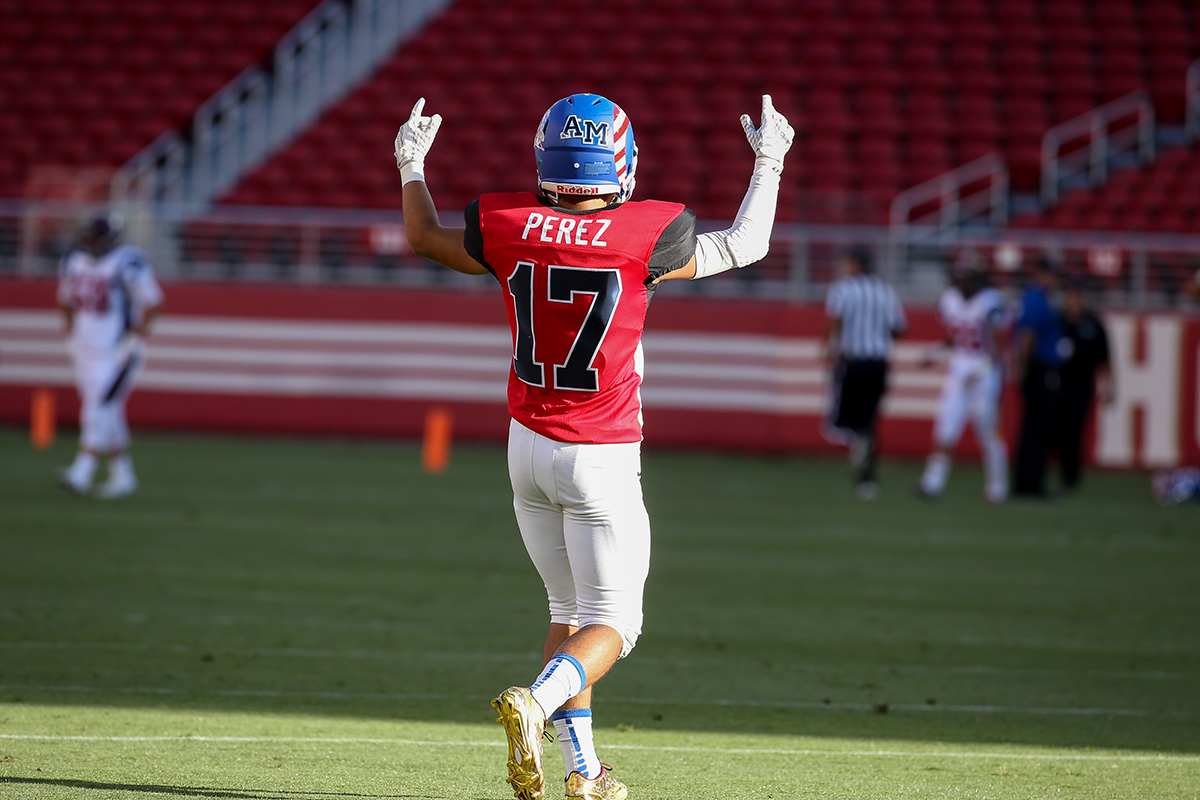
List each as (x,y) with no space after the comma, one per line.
(368,247)
(1192,114)
(1094,125)
(324,55)
(954,206)
(156,173)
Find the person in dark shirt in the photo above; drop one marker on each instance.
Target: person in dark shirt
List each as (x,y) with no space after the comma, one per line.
(1036,369)
(1085,374)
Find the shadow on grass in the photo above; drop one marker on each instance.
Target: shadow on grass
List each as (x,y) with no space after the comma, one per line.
(201,791)
(1167,732)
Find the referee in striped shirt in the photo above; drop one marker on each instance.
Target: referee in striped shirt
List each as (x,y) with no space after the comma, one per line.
(864,317)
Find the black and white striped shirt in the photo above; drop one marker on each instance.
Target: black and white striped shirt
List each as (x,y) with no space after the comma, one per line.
(870,315)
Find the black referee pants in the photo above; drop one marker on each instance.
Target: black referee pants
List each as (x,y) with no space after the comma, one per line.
(859,384)
(1067,428)
(1041,391)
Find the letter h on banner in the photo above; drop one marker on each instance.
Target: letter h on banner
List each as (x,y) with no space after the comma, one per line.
(1152,384)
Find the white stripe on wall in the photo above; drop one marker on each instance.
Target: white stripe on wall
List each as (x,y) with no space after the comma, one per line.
(702,371)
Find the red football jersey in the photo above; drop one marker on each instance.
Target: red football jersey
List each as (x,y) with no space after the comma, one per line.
(576,288)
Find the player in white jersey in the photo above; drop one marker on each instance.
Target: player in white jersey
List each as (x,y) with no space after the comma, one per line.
(975,316)
(108,295)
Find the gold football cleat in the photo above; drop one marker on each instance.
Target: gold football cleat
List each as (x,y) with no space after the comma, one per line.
(602,787)
(524,722)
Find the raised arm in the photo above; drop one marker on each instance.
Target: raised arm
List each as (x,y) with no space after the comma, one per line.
(422,225)
(747,240)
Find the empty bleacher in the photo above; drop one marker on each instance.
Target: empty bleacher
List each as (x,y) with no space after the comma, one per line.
(1160,198)
(89,83)
(884,94)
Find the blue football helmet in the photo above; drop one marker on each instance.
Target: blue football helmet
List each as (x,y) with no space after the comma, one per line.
(584,146)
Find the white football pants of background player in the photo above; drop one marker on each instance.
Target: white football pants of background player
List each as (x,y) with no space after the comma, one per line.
(104,381)
(973,387)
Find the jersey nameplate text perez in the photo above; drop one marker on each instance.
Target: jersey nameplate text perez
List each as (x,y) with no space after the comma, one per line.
(566,230)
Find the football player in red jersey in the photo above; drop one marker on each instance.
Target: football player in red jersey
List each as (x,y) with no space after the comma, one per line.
(577,262)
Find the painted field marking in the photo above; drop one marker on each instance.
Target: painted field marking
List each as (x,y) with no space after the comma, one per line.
(650,748)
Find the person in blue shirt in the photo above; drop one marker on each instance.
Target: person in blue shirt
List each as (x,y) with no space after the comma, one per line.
(1036,369)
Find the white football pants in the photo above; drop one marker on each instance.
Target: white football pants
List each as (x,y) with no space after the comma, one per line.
(972,388)
(104,383)
(585,526)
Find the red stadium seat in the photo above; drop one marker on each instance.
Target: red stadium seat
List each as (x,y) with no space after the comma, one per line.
(919,56)
(964,10)
(1017,12)
(887,79)
(1113,14)
(871,54)
(1016,56)
(873,152)
(1063,12)
(1065,62)
(1119,38)
(950,79)
(968,55)
(150,62)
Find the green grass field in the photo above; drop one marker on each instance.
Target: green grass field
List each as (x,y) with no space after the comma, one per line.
(275,619)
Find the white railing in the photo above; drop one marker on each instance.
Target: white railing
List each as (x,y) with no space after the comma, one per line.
(368,247)
(1098,137)
(978,190)
(315,64)
(1192,114)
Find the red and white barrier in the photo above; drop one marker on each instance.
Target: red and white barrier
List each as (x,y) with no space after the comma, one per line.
(744,375)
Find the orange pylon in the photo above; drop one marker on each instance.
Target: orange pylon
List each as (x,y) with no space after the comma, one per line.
(435,453)
(41,419)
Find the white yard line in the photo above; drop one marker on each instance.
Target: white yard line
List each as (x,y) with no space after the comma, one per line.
(652,748)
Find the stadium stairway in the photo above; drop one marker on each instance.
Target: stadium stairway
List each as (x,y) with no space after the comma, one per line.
(884,94)
(1160,198)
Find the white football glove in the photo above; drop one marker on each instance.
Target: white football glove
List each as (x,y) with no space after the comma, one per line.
(773,138)
(413,141)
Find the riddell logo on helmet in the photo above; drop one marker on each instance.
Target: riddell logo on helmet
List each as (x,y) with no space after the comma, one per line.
(571,188)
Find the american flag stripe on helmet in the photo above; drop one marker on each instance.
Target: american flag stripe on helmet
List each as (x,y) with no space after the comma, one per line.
(621,142)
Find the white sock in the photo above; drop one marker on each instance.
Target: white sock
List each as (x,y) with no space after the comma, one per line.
(83,467)
(574,729)
(937,470)
(120,467)
(562,679)
(995,467)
